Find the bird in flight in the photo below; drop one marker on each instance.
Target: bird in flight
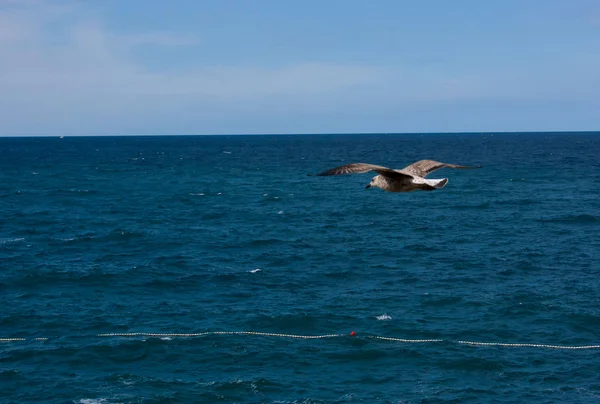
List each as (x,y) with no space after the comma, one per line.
(408,179)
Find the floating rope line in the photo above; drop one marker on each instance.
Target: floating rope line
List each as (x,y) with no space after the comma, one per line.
(528,345)
(202,334)
(476,343)
(410,341)
(297,336)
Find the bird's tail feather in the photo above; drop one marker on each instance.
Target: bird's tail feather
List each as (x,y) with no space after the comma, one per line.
(431,184)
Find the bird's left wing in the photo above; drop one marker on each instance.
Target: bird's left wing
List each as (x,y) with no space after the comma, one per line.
(358,168)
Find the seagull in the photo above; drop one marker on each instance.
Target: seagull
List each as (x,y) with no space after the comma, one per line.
(410,178)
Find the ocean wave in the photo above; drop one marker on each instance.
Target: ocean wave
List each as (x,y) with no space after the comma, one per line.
(288,323)
(429,248)
(585,321)
(74,191)
(130,379)
(51,276)
(126,350)
(518,202)
(219,214)
(572,219)
(225,278)
(342,274)
(264,242)
(84,237)
(253,385)
(121,235)
(442,301)
(471,364)
(361,355)
(10,374)
(482,205)
(11,240)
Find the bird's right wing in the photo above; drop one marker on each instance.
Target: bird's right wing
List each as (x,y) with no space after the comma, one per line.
(358,168)
(423,167)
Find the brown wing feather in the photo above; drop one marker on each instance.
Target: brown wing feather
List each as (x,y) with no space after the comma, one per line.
(358,168)
(424,167)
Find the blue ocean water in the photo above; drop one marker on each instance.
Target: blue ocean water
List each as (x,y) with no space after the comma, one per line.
(180,234)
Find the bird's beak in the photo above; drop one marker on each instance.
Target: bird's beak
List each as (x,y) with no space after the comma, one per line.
(368,186)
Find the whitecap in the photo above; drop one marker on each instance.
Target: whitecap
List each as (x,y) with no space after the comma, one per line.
(11,240)
(383,317)
(92,401)
(166,338)
(280,212)
(253,271)
(227,152)
(219,193)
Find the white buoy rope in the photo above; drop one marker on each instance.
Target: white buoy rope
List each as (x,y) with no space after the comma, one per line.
(202,334)
(300,336)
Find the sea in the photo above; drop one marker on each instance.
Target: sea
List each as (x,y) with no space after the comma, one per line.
(214,269)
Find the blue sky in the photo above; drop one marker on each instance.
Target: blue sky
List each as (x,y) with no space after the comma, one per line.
(266,66)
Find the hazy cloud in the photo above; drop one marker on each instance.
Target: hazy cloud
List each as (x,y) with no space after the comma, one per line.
(83,67)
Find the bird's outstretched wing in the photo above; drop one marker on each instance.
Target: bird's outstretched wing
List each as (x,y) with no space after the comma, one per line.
(358,168)
(423,167)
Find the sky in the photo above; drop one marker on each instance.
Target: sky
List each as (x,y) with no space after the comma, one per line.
(116,67)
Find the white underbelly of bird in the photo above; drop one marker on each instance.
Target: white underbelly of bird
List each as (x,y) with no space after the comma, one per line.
(406,184)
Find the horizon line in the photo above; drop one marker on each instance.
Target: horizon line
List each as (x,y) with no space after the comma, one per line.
(312,134)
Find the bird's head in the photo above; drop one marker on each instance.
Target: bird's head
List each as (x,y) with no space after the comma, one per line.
(374,182)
